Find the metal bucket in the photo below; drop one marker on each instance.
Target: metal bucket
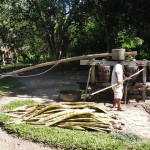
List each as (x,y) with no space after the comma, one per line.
(118,54)
(104,74)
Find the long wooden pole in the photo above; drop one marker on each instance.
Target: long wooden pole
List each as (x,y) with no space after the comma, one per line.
(86,96)
(87,85)
(144,83)
(134,53)
(116,83)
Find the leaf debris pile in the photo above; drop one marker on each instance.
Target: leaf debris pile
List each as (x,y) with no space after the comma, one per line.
(72,115)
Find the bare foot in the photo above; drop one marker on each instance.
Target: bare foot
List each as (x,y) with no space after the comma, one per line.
(113,106)
(120,109)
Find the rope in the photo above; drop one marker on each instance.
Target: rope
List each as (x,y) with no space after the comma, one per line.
(16,76)
(87,85)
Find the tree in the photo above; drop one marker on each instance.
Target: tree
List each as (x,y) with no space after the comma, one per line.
(62,28)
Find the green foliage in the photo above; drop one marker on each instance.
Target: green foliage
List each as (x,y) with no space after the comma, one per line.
(7,84)
(144,55)
(66,28)
(127,39)
(86,39)
(15,104)
(15,66)
(130,58)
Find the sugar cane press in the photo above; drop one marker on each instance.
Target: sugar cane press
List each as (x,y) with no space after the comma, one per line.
(135,88)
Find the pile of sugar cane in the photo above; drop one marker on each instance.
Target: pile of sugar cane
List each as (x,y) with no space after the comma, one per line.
(146,106)
(73,115)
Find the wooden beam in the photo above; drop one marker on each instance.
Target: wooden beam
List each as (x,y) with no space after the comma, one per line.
(63,61)
(144,83)
(112,63)
(93,75)
(133,53)
(55,62)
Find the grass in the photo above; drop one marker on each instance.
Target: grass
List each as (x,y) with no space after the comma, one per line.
(7,84)
(70,139)
(16,104)
(14,66)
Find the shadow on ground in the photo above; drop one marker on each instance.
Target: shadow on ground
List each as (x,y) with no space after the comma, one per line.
(47,86)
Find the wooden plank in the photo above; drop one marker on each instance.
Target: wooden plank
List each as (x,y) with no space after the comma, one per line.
(112,63)
(144,83)
(149,64)
(98,62)
(93,74)
(132,53)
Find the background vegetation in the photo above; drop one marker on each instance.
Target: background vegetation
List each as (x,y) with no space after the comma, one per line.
(43,30)
(8,84)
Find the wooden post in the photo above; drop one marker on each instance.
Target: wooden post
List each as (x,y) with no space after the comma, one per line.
(93,74)
(87,84)
(144,83)
(3,57)
(126,92)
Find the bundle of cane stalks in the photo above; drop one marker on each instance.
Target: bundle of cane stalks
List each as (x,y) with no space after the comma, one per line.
(73,115)
(146,107)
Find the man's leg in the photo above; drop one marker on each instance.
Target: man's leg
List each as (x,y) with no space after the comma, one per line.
(119,104)
(115,103)
(119,94)
(117,97)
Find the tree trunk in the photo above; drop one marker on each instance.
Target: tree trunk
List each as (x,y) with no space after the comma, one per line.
(3,58)
(15,56)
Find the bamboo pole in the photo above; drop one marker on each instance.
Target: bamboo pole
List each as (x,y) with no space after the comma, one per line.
(87,85)
(117,83)
(134,53)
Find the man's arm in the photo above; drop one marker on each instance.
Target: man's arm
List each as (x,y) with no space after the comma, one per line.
(117,78)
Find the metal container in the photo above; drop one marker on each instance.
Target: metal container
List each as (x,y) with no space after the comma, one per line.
(130,71)
(104,74)
(118,54)
(70,95)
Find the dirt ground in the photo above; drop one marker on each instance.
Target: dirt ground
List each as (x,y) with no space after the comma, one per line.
(45,88)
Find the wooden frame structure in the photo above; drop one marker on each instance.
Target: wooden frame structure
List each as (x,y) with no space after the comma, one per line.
(141,63)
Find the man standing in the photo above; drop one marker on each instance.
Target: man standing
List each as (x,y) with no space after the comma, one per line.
(117,77)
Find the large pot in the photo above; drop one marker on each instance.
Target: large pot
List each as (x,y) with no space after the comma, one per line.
(130,71)
(70,95)
(104,74)
(118,54)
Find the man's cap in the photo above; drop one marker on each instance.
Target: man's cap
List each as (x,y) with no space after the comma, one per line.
(121,62)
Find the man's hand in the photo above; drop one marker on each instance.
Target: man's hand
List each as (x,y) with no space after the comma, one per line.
(119,82)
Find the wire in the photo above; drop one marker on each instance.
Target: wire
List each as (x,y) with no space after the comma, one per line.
(38,73)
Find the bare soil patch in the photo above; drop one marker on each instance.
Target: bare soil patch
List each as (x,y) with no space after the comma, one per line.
(45,88)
